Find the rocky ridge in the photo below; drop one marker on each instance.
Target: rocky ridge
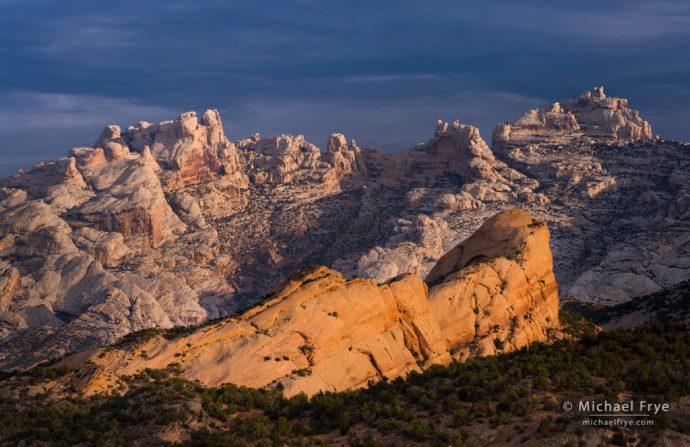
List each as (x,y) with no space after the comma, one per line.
(671,304)
(172,224)
(495,292)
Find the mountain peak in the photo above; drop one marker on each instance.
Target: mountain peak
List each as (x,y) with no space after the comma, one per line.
(596,92)
(592,115)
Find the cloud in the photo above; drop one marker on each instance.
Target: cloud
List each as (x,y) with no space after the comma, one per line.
(388,78)
(27,111)
(634,21)
(83,33)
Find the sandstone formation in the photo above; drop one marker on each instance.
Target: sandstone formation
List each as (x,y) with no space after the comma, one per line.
(456,151)
(319,332)
(284,159)
(192,150)
(591,115)
(81,255)
(9,281)
(171,224)
(348,161)
(619,200)
(107,248)
(128,199)
(449,183)
(496,290)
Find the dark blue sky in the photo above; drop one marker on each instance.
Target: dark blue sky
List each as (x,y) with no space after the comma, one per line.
(379,71)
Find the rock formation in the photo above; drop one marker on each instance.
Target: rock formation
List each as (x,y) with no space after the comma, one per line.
(591,115)
(457,151)
(192,150)
(83,239)
(172,224)
(318,332)
(9,281)
(619,200)
(348,161)
(284,159)
(451,181)
(128,199)
(496,290)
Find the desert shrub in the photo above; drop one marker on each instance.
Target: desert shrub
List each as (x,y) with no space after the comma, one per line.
(431,408)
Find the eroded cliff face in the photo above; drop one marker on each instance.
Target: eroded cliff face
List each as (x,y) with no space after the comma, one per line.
(191,150)
(320,332)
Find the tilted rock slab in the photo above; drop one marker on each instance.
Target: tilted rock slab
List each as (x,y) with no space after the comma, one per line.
(320,332)
(496,290)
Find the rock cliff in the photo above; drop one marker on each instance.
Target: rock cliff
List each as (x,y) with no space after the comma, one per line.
(192,150)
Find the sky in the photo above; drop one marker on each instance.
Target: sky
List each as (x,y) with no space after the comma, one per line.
(380,72)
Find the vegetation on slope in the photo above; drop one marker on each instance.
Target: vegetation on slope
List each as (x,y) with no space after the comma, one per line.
(512,398)
(670,304)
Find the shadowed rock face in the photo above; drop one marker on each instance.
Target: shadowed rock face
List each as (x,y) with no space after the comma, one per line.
(319,332)
(667,305)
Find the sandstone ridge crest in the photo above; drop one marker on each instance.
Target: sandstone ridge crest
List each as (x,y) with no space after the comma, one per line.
(495,292)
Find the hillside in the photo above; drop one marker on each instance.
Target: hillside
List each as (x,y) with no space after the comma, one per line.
(668,305)
(509,399)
